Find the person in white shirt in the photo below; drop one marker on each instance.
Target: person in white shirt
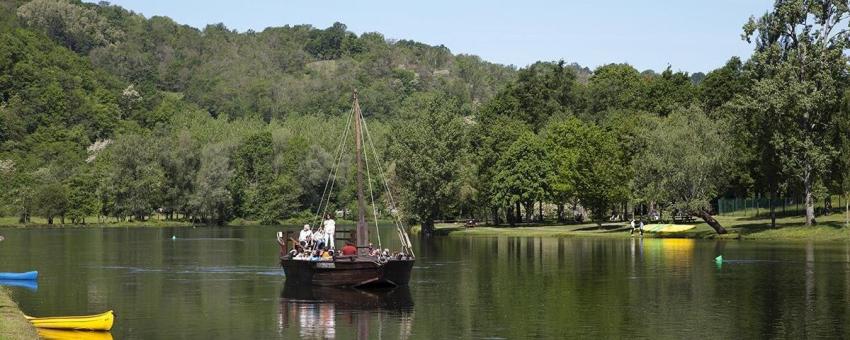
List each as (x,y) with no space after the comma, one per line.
(330,227)
(304,236)
(319,238)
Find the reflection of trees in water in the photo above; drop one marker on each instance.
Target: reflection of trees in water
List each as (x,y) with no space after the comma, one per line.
(324,312)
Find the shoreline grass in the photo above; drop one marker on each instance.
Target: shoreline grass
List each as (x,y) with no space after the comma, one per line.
(13,325)
(157,221)
(829,228)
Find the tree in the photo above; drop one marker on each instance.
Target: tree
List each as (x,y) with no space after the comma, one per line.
(491,136)
(722,84)
(211,200)
(590,166)
(51,198)
(252,161)
(133,179)
(799,56)
(278,200)
(522,175)
(427,152)
(79,27)
(540,91)
(82,195)
(667,91)
(614,86)
(684,163)
(180,162)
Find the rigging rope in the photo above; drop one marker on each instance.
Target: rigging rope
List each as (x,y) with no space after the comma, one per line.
(403,237)
(334,171)
(371,194)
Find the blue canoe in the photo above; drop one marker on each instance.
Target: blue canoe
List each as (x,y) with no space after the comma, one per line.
(19,276)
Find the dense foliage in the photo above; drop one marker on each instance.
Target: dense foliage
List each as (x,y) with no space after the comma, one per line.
(107,114)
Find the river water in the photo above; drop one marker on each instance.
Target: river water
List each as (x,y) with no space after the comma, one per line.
(225,283)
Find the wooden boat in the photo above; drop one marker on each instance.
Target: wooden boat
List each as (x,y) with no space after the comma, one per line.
(33,275)
(98,322)
(667,228)
(362,269)
(66,334)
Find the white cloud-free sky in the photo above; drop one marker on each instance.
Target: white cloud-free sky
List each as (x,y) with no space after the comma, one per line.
(688,35)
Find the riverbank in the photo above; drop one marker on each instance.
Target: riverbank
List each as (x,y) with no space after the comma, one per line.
(13,325)
(154,222)
(829,228)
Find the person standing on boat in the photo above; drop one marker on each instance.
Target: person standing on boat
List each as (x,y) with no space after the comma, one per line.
(304,236)
(330,228)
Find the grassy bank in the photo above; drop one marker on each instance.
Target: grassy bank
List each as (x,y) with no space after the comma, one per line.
(155,221)
(12,222)
(13,325)
(829,228)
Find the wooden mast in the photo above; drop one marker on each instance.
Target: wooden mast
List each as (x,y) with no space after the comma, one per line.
(362,230)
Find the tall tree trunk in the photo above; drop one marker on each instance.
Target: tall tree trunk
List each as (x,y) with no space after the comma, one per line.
(772,209)
(810,204)
(705,216)
(509,214)
(518,213)
(427,227)
(560,212)
(529,211)
(541,211)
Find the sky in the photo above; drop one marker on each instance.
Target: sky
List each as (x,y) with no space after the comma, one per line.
(688,35)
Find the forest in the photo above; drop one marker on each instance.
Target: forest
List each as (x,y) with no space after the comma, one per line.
(106,115)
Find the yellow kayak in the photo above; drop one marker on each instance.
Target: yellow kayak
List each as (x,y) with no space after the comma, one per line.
(99,322)
(667,228)
(67,334)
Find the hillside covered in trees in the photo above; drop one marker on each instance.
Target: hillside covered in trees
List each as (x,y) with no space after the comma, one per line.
(108,114)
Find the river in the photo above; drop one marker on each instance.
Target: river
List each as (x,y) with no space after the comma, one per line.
(225,283)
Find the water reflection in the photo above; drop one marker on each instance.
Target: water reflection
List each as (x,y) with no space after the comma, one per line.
(62,334)
(325,312)
(32,285)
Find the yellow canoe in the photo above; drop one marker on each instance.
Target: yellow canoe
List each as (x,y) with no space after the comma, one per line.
(667,228)
(68,334)
(99,322)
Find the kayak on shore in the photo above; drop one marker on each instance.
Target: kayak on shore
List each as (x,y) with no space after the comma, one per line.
(97,322)
(667,228)
(33,275)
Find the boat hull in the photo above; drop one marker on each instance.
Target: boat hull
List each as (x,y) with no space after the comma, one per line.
(33,275)
(98,322)
(349,272)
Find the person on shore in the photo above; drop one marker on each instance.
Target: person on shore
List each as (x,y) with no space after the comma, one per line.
(319,238)
(305,235)
(349,249)
(330,228)
(632,224)
(641,227)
